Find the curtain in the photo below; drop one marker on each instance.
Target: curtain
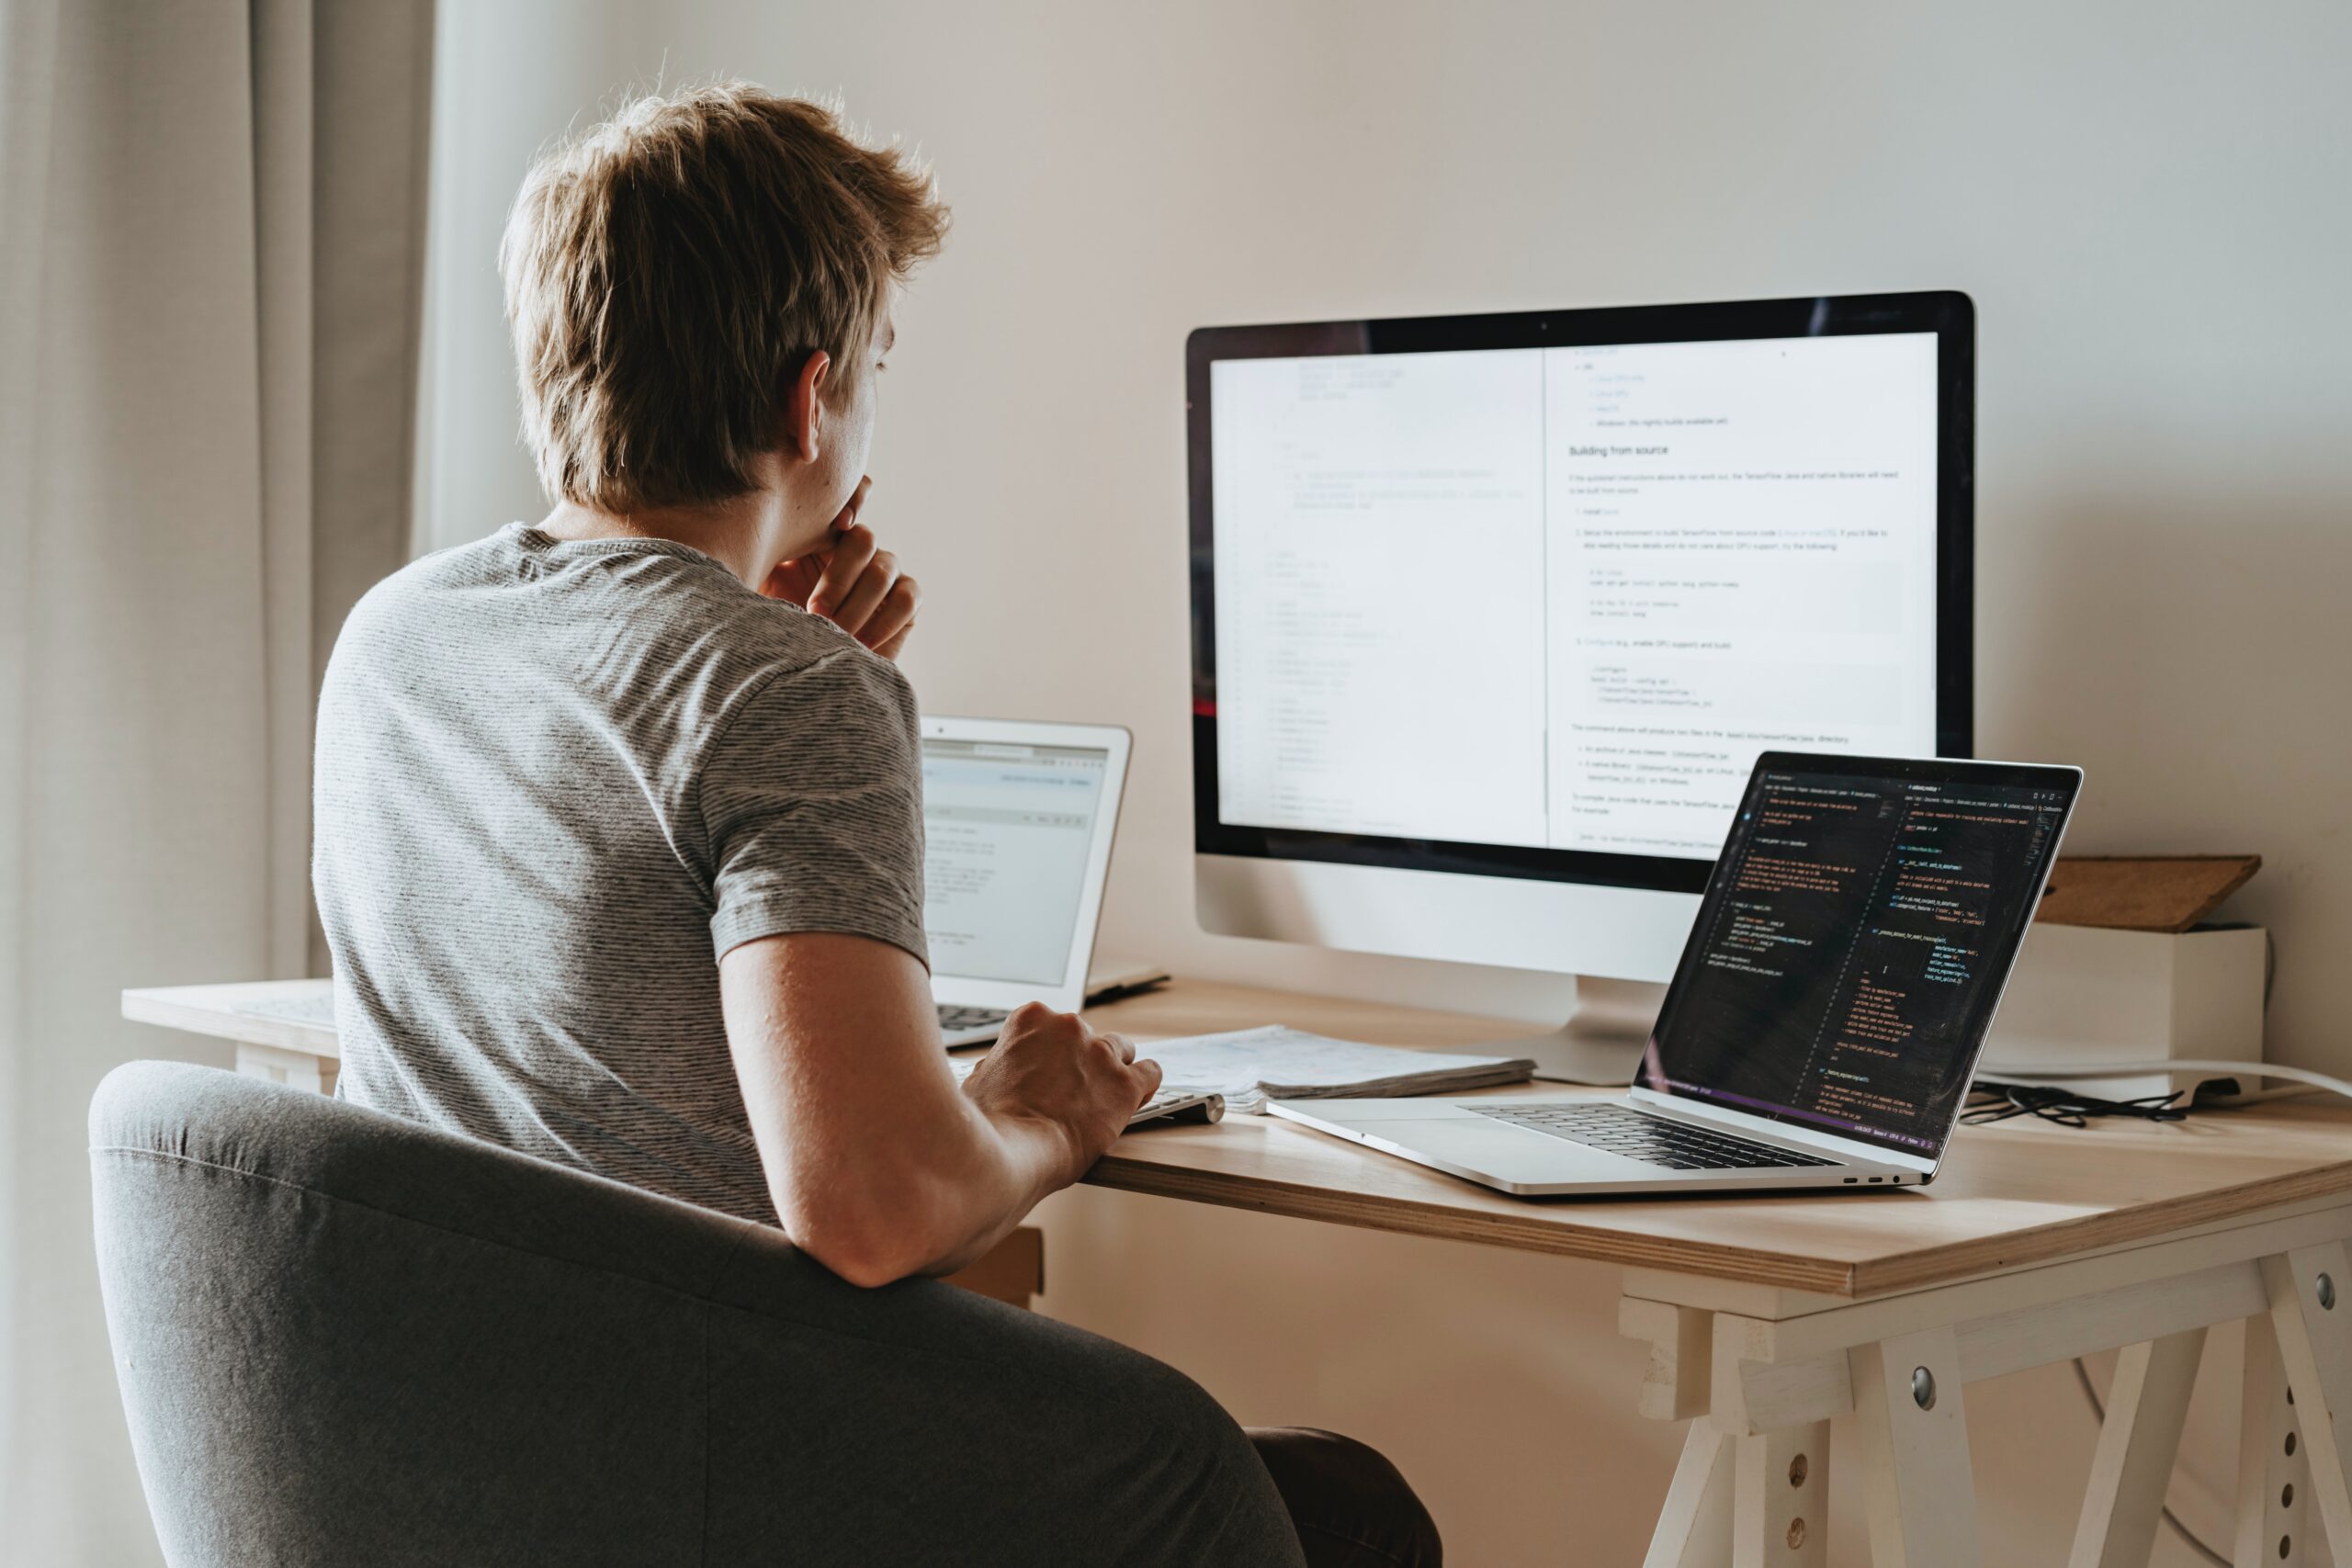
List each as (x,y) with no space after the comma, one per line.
(211,221)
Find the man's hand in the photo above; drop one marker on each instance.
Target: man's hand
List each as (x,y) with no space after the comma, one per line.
(1049,1067)
(853,583)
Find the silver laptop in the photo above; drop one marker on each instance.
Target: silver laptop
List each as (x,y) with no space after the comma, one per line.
(1018,820)
(1821,1029)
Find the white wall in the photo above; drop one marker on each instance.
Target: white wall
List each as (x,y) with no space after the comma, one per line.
(2146,201)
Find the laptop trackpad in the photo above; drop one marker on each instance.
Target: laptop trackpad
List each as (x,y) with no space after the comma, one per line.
(1511,1154)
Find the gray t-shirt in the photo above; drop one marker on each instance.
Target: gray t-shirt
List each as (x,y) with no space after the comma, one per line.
(555,782)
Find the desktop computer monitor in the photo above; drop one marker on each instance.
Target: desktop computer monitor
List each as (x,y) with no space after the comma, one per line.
(1493,614)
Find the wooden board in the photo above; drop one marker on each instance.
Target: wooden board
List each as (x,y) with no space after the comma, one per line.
(1013,1271)
(2142,893)
(2008,1196)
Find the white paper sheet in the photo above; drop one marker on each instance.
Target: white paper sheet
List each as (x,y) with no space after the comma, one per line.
(1250,1066)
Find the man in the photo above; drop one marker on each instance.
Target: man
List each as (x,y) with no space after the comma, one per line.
(563,771)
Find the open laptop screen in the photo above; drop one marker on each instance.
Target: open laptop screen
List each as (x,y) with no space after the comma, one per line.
(1006,827)
(1854,941)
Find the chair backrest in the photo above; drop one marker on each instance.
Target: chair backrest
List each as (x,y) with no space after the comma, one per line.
(346,1339)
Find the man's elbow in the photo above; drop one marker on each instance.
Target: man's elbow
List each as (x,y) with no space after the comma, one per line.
(867,1246)
(868,1262)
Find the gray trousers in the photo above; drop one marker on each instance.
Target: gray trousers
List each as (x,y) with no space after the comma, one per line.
(347,1339)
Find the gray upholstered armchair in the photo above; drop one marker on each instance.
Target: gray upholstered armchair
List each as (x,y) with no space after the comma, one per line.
(346,1339)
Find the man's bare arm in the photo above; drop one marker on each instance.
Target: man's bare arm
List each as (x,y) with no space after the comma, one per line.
(880,1166)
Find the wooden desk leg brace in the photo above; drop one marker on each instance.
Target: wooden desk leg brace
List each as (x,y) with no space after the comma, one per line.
(1759,1393)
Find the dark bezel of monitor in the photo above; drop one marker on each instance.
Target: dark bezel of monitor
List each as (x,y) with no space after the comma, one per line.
(1931,769)
(1949,315)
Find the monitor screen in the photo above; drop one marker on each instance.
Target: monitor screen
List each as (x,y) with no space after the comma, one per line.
(1853,944)
(1548,585)
(1006,832)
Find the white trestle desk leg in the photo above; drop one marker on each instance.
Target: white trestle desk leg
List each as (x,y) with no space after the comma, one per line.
(1781,1499)
(298,1068)
(2274,1468)
(2311,1313)
(1694,1528)
(1919,1489)
(2147,1406)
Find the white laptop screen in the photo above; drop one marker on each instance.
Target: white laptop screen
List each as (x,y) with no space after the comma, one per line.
(1007,828)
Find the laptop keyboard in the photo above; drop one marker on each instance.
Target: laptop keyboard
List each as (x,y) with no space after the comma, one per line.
(1654,1140)
(952,1019)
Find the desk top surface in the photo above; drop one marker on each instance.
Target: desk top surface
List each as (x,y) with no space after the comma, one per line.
(2007,1196)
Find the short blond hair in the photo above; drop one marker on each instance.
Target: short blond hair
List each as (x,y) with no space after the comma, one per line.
(669,272)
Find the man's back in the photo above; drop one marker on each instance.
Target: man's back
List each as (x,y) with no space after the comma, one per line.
(555,781)
(621,863)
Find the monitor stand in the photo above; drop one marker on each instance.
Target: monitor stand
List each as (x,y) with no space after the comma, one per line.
(1602,1041)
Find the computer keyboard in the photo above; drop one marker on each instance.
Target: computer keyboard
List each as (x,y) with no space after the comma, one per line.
(1654,1140)
(954,1019)
(1174,1101)
(1181,1105)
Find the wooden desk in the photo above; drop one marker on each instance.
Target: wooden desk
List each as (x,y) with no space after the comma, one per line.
(1768,1318)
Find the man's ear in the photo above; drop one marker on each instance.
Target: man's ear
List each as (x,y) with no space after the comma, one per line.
(804,407)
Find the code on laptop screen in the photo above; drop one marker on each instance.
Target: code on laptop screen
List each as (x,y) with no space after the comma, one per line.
(1853,943)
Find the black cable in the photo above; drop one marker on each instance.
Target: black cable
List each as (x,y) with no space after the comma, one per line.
(2196,1544)
(1991,1099)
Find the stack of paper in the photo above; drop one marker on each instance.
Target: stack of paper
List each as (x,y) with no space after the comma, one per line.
(1249,1067)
